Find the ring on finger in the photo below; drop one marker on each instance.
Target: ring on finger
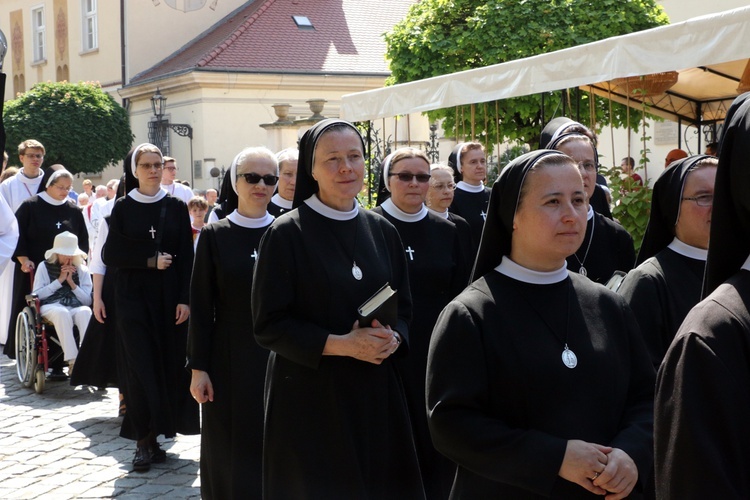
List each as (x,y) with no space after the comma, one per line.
(596,474)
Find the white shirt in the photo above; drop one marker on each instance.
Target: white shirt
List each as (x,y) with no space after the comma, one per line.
(177,190)
(96,264)
(19,188)
(43,287)
(8,234)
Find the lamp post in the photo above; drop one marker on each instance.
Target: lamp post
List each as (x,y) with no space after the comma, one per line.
(159,128)
(432,148)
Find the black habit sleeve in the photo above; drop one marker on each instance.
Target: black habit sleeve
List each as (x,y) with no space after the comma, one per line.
(702,436)
(637,425)
(22,215)
(641,292)
(185,255)
(203,294)
(274,295)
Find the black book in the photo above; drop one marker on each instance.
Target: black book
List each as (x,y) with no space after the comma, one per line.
(382,306)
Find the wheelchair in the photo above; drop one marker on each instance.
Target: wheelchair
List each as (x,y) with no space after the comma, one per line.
(36,347)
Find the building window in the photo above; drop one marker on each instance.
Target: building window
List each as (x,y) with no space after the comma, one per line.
(303,22)
(90,24)
(38,32)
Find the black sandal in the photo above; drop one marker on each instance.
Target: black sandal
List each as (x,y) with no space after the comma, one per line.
(158,456)
(142,459)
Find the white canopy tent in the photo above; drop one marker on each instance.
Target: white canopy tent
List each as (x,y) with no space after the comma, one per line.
(709,52)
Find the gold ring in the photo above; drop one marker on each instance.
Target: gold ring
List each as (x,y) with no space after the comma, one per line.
(596,474)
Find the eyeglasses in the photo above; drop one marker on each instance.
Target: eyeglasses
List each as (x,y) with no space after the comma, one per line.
(407,177)
(34,155)
(62,188)
(170,168)
(587,166)
(149,166)
(253,178)
(703,200)
(442,185)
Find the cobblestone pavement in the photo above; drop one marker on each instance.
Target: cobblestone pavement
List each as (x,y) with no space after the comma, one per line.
(64,443)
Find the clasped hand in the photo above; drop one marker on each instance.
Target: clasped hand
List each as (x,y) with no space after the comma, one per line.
(66,274)
(371,344)
(602,470)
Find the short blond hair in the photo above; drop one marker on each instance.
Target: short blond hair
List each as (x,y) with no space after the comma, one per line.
(30,144)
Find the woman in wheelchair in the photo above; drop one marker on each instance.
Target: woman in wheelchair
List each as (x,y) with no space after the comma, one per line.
(63,285)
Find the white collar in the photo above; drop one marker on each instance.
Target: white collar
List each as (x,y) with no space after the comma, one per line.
(51,200)
(281,202)
(688,251)
(391,209)
(590,214)
(328,212)
(444,215)
(29,180)
(465,186)
(142,198)
(520,273)
(746,264)
(248,222)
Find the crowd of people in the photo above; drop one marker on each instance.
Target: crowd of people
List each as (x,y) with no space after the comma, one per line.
(496,362)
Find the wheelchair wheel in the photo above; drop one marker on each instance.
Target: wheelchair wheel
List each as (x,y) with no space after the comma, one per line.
(39,378)
(26,353)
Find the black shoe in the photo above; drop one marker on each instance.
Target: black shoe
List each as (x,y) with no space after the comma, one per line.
(57,375)
(142,459)
(158,456)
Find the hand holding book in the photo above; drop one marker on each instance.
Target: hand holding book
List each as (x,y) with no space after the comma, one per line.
(382,306)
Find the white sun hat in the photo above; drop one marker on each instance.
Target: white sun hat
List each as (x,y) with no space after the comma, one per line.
(66,243)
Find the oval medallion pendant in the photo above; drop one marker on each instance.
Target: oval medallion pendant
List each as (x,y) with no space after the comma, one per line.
(569,358)
(356,272)
(582,271)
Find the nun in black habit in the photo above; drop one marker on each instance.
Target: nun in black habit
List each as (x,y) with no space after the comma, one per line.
(336,423)
(150,244)
(228,366)
(607,246)
(437,273)
(553,130)
(538,383)
(469,163)
(41,218)
(668,280)
(702,436)
(96,364)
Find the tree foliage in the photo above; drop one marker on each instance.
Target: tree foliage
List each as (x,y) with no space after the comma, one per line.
(81,126)
(444,36)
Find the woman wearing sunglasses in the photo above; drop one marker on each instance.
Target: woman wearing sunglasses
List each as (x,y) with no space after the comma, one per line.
(437,273)
(336,421)
(228,366)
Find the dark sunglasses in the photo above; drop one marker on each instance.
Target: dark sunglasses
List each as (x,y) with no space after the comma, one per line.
(253,178)
(407,177)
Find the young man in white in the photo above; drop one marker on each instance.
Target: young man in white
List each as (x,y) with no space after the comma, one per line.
(25,184)
(174,189)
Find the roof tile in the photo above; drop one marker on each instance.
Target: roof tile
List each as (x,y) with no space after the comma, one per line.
(261,36)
